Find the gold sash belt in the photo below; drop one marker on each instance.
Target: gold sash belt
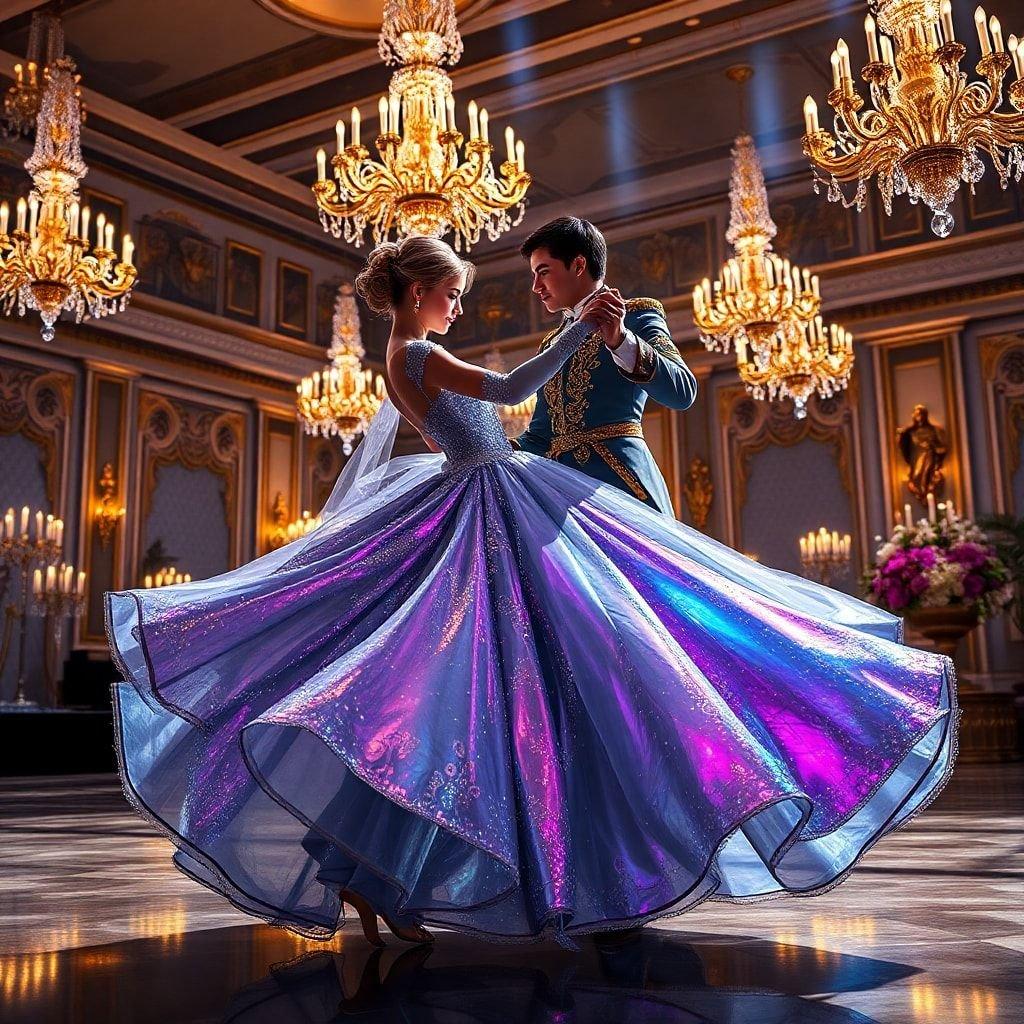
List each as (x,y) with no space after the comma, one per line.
(563,443)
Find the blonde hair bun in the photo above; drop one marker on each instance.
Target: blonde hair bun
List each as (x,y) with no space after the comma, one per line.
(393,266)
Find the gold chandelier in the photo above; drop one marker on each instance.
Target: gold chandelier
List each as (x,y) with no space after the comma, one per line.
(921,135)
(341,399)
(514,418)
(758,292)
(45,48)
(765,308)
(806,358)
(423,183)
(48,263)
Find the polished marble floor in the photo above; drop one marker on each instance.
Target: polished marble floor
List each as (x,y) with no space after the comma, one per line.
(95,925)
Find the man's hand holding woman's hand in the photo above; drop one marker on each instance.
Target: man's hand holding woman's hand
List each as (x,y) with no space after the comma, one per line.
(606,312)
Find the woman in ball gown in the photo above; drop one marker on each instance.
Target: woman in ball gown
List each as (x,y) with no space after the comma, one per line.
(492,694)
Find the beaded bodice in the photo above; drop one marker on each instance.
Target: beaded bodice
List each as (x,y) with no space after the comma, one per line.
(467,429)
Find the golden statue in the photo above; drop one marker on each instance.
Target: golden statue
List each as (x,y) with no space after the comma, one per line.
(699,491)
(924,449)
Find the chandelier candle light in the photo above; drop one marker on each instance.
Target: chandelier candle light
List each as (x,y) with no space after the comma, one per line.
(765,308)
(341,399)
(424,182)
(921,134)
(49,262)
(45,48)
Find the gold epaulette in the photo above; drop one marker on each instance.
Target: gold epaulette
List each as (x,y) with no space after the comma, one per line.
(632,305)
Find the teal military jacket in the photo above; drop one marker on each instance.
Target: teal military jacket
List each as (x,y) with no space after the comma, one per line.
(589,414)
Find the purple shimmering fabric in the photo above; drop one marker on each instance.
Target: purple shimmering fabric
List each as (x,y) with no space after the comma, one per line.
(511,699)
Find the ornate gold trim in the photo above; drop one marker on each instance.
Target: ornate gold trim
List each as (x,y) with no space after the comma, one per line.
(643,371)
(37,404)
(632,305)
(1002,371)
(199,437)
(622,470)
(752,426)
(583,443)
(587,438)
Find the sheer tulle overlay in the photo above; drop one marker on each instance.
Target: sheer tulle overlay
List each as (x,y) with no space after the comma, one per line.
(512,701)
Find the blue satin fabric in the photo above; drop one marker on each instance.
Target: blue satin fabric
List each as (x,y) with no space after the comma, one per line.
(511,700)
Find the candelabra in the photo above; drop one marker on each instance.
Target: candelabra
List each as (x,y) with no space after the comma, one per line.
(47,263)
(341,399)
(422,184)
(55,596)
(21,552)
(921,134)
(766,309)
(165,577)
(287,532)
(825,555)
(514,418)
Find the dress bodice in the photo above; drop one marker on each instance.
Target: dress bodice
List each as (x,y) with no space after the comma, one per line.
(467,429)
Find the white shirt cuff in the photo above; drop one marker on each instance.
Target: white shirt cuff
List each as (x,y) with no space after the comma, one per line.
(626,354)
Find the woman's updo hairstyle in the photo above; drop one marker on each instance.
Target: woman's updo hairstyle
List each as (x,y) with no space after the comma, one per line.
(394,266)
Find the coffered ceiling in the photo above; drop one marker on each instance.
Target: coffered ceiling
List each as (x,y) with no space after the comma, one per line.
(624,105)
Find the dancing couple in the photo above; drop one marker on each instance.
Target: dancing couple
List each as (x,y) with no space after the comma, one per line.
(500,689)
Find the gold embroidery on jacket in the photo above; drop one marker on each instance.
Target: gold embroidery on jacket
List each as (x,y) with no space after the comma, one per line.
(634,304)
(567,413)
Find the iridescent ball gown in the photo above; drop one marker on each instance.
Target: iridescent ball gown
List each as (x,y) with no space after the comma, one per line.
(493,695)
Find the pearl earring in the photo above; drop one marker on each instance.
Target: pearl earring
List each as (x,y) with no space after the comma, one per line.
(417,307)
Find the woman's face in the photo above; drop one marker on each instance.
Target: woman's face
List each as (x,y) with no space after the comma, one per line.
(441,305)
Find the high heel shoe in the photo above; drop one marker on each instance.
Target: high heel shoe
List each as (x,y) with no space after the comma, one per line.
(367,915)
(414,933)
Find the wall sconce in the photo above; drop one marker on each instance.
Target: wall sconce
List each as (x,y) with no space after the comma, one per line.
(108,512)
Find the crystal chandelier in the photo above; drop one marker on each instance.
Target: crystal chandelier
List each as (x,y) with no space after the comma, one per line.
(424,183)
(766,309)
(341,399)
(47,263)
(921,135)
(806,358)
(514,418)
(45,48)
(758,291)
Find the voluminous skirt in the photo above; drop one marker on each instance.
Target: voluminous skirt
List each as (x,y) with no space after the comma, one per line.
(513,701)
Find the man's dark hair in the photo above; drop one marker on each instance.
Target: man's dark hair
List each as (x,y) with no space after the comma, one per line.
(569,237)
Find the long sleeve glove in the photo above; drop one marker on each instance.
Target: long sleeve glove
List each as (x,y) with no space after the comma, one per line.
(517,385)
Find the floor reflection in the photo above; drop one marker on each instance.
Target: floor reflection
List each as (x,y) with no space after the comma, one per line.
(258,974)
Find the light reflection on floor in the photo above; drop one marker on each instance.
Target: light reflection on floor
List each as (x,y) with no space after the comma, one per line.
(96,926)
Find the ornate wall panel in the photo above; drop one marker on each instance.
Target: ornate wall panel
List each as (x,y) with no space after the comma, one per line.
(106,445)
(1002,369)
(36,403)
(280,499)
(322,464)
(190,485)
(659,426)
(35,420)
(786,476)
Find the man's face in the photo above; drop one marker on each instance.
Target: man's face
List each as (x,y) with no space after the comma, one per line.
(556,285)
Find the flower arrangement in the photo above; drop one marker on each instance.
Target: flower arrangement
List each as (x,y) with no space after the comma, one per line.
(939,561)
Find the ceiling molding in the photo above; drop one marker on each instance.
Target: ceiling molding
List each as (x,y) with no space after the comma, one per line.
(697,45)
(536,54)
(338,68)
(275,196)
